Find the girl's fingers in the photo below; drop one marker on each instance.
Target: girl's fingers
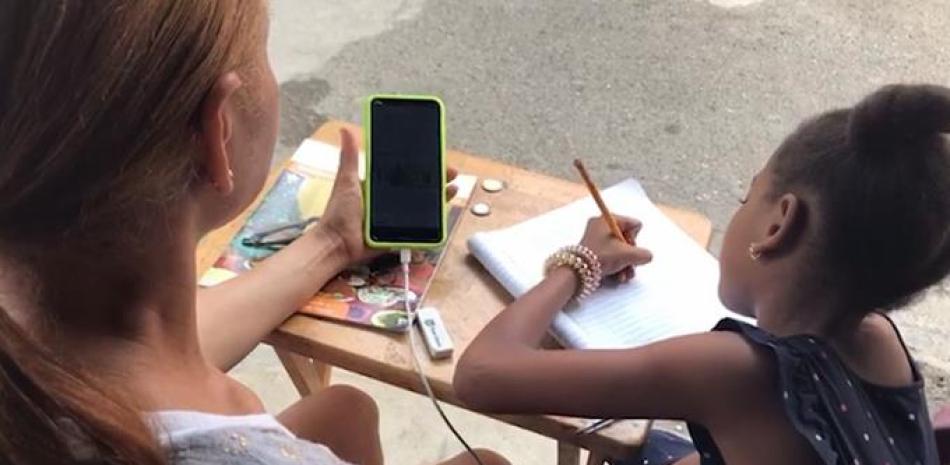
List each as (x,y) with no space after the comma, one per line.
(630,227)
(628,273)
(638,256)
(624,275)
(628,224)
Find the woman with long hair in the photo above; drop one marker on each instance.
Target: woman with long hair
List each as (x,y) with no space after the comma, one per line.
(128,130)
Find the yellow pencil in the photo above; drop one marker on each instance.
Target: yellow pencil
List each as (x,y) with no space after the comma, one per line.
(604,212)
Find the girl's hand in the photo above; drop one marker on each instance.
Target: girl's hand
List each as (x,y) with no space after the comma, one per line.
(342,222)
(616,256)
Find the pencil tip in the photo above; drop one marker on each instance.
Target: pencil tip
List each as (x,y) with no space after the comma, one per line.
(578,163)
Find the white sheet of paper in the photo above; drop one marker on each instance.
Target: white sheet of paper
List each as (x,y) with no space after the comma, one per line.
(674,295)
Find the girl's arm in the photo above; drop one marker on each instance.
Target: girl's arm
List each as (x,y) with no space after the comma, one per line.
(504,370)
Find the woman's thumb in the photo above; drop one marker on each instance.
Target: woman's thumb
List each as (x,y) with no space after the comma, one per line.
(349,156)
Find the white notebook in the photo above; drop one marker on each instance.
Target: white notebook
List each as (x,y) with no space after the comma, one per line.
(674,295)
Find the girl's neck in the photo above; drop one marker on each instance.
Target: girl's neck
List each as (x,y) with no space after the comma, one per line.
(792,311)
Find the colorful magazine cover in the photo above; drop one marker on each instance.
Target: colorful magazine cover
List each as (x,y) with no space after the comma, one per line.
(369,294)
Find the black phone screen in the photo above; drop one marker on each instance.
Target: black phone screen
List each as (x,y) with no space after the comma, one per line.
(405,171)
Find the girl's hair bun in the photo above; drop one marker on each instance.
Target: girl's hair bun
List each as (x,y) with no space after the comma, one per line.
(898,117)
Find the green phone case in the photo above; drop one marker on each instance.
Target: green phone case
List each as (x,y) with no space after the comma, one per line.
(367,144)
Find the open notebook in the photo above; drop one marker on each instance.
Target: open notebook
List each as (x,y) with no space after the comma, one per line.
(674,295)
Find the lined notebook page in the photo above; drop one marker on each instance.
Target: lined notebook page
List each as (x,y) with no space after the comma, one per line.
(676,294)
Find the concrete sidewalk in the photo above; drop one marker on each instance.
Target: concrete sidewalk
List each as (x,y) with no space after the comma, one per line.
(690,96)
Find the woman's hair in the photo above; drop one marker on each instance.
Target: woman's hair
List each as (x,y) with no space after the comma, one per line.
(880,172)
(98,103)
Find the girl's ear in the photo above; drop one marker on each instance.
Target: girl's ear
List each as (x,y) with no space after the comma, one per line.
(784,226)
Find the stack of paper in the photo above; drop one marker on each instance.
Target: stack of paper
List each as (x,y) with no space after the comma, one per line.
(674,295)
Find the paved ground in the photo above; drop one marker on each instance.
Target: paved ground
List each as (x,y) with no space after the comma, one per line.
(690,96)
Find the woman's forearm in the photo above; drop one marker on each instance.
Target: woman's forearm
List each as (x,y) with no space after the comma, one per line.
(233,317)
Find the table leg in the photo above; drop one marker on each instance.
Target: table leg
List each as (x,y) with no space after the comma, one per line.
(595,459)
(568,454)
(308,375)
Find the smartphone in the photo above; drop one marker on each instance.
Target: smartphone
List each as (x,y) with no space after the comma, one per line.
(404,189)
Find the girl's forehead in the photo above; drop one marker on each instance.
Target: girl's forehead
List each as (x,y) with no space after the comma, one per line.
(755,178)
(762,179)
(766,173)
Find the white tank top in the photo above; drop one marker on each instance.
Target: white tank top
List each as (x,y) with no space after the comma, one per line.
(193,438)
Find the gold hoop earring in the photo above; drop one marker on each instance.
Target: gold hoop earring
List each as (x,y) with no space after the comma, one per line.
(754,254)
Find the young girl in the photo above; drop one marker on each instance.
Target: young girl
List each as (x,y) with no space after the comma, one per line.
(850,217)
(128,130)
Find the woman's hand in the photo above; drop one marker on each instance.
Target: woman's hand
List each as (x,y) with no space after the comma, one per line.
(616,256)
(342,221)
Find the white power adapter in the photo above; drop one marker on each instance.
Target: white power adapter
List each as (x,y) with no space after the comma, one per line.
(434,333)
(436,336)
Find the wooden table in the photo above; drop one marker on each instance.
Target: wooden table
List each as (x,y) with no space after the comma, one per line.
(467,296)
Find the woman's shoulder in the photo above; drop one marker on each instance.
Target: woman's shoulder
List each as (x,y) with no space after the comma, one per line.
(193,438)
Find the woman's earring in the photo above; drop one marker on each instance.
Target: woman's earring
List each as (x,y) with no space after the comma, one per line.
(754,254)
(231,174)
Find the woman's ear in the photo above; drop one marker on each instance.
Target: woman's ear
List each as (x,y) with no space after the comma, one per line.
(216,130)
(784,224)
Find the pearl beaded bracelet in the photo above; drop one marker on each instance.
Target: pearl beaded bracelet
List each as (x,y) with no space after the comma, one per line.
(583,262)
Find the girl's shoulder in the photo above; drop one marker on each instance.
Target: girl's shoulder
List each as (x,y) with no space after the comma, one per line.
(876,353)
(838,411)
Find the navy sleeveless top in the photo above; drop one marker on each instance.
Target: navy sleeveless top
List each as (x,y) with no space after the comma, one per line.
(847,420)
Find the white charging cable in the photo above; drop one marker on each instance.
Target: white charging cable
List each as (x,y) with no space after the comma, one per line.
(405,257)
